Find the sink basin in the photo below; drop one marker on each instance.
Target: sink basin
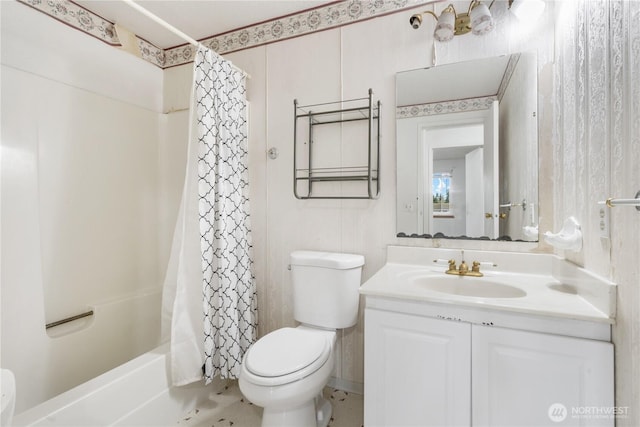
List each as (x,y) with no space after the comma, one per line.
(468,286)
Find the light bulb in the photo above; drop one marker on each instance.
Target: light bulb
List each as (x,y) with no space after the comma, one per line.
(444,29)
(527,10)
(481,19)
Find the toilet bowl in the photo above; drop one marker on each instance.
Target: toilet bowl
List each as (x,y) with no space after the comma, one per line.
(286,370)
(285,373)
(8,401)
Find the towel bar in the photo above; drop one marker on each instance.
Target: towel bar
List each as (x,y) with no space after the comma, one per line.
(69,319)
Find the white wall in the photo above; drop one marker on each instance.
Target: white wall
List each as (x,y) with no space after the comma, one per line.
(596,155)
(408,164)
(80,203)
(516,184)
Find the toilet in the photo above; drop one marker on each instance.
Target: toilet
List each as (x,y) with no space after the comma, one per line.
(285,371)
(8,398)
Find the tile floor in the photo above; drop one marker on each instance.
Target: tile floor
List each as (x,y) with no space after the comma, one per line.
(230,408)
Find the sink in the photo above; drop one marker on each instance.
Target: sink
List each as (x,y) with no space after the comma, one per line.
(524,282)
(468,286)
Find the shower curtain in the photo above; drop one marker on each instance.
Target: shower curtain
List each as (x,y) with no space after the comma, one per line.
(209,297)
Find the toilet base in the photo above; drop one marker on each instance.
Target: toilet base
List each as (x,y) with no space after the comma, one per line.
(323,411)
(314,413)
(302,416)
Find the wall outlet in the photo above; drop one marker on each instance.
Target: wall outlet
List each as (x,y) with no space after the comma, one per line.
(603,221)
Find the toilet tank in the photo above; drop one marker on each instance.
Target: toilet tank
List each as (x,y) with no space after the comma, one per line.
(325,288)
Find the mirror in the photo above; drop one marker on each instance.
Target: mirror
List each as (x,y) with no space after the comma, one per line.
(467,150)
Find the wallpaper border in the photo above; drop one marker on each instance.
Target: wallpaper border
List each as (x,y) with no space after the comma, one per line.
(321,18)
(434,108)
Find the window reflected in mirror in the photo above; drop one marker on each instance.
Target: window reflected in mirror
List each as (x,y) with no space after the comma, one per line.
(440,189)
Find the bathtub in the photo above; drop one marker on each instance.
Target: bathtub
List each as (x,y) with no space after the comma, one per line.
(136,393)
(49,362)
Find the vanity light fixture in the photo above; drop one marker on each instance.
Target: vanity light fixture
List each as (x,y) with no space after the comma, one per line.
(527,10)
(477,20)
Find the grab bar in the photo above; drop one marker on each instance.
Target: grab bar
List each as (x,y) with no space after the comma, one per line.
(69,319)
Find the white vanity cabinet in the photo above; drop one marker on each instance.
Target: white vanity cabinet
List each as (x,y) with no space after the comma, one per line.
(425,371)
(518,377)
(417,370)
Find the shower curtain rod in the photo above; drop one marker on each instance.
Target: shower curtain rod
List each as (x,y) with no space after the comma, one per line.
(173,29)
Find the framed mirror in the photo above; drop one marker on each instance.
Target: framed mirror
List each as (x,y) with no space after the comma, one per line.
(467,150)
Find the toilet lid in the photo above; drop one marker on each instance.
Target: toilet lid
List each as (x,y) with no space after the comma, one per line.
(285,351)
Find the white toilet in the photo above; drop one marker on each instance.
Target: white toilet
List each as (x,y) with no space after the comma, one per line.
(286,370)
(8,400)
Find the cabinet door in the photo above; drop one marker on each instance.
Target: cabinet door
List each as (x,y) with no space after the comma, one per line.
(533,379)
(417,371)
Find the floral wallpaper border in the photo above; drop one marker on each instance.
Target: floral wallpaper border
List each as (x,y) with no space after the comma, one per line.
(321,18)
(77,17)
(84,20)
(317,19)
(457,106)
(508,72)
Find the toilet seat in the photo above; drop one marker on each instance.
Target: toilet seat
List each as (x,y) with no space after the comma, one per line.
(286,355)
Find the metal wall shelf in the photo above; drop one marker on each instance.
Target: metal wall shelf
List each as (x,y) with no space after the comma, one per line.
(361,109)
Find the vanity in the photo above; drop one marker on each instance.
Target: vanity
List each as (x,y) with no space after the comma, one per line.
(528,343)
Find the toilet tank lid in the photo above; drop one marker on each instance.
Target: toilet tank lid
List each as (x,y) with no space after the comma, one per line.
(327,259)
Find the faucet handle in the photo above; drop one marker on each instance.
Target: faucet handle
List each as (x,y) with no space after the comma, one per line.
(475,266)
(452,265)
(487,263)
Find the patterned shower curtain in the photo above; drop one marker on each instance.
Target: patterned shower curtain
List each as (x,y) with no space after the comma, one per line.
(209,298)
(223,187)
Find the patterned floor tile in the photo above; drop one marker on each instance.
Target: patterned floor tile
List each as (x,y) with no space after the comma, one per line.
(230,409)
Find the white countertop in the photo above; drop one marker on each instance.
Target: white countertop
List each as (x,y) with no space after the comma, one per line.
(572,301)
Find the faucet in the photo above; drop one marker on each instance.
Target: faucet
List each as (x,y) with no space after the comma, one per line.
(463,269)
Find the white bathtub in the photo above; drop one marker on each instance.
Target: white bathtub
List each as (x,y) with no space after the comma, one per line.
(136,393)
(49,362)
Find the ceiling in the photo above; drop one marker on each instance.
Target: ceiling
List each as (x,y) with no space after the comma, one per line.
(197,18)
(463,80)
